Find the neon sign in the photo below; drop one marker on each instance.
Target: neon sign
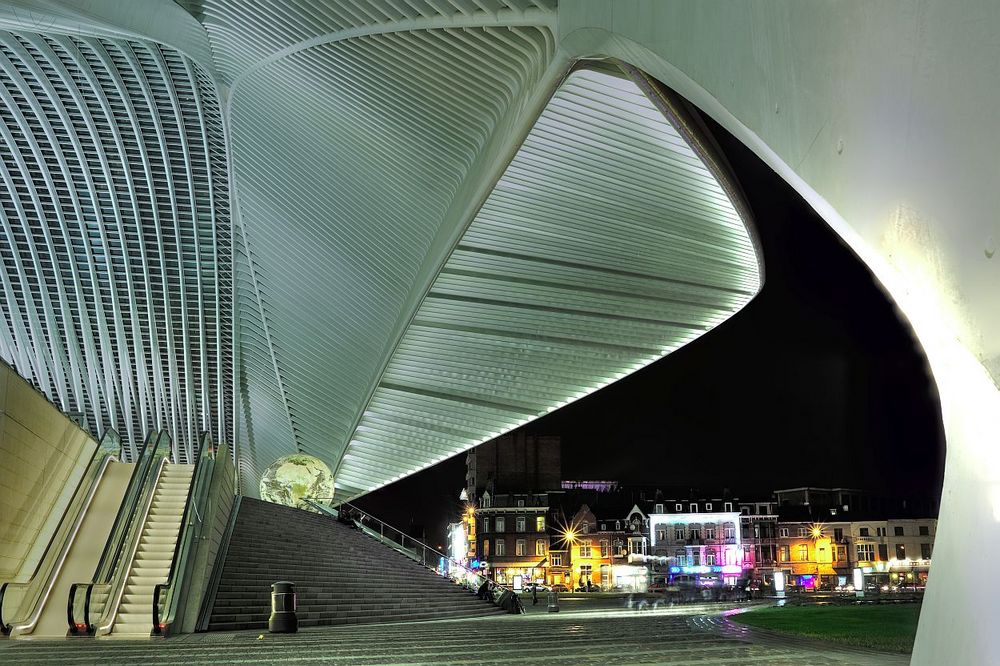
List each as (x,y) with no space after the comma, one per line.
(704,569)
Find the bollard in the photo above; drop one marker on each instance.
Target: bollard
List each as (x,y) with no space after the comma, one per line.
(553,599)
(284,602)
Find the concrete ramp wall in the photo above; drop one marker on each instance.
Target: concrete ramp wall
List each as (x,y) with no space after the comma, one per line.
(43,454)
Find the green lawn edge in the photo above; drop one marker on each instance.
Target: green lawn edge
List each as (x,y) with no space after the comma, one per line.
(877,627)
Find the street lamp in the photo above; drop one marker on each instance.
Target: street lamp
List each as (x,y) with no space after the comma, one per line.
(816,531)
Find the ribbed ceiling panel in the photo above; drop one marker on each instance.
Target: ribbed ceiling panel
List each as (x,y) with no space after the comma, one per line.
(347,157)
(243,34)
(607,244)
(115,234)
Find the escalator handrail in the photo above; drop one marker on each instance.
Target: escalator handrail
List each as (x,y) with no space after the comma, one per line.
(187,537)
(29,623)
(126,509)
(117,583)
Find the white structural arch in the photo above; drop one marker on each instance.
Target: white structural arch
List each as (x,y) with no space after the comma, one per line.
(356,126)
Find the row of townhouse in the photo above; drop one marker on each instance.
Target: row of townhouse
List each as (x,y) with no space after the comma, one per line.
(628,541)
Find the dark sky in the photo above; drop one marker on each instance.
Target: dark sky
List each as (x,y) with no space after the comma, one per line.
(816,382)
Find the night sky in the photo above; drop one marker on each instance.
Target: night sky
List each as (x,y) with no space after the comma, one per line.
(817,381)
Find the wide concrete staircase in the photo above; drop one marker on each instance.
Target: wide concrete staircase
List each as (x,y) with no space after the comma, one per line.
(341,575)
(155,553)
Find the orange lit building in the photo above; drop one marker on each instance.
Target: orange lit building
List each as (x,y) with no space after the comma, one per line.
(814,555)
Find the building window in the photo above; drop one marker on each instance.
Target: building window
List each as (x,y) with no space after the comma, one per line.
(486,501)
(710,558)
(486,547)
(925,531)
(695,533)
(586,573)
(925,551)
(619,548)
(540,523)
(521,547)
(883,552)
(708,506)
(678,507)
(900,551)
(879,531)
(841,553)
(557,559)
(499,547)
(635,547)
(866,552)
(585,528)
(694,508)
(540,547)
(803,552)
(803,532)
(783,531)
(863,532)
(519,523)
(783,553)
(618,525)
(728,507)
(678,534)
(897,530)
(838,534)
(585,549)
(486,525)
(605,548)
(661,534)
(710,533)
(501,524)
(695,557)
(730,532)
(659,508)
(520,502)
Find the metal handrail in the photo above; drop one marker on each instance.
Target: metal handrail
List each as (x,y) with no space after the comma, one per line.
(126,509)
(189,533)
(29,623)
(452,563)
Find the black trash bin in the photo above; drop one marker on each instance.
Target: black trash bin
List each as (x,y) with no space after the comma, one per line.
(283,619)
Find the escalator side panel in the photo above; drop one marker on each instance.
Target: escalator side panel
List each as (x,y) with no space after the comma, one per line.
(86,549)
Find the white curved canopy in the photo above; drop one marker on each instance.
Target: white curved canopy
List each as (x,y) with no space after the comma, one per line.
(439,230)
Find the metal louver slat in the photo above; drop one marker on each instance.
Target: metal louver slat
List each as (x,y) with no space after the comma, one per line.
(606,244)
(114,234)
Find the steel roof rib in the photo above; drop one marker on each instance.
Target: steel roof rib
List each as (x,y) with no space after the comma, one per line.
(652,189)
(103,136)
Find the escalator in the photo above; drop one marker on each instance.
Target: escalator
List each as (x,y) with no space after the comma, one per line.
(37,607)
(139,586)
(129,557)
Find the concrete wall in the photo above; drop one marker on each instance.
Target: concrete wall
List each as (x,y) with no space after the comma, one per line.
(883,117)
(42,457)
(220,505)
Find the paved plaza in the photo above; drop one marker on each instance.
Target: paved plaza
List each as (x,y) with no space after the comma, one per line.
(688,635)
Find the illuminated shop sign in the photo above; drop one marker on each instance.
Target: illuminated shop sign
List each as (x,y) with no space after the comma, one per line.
(705,569)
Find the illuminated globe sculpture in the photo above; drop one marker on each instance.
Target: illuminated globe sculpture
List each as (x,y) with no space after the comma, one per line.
(290,478)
